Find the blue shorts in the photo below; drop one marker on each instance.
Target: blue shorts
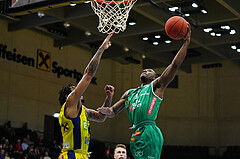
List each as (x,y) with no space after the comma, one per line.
(72,155)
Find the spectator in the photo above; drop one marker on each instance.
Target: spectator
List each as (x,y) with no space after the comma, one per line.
(6,155)
(120,152)
(107,152)
(2,141)
(54,149)
(10,151)
(4,147)
(46,155)
(28,140)
(2,155)
(40,144)
(30,151)
(25,157)
(37,153)
(18,149)
(24,144)
(7,143)
(33,152)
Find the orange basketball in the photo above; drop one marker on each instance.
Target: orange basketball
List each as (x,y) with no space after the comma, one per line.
(176,27)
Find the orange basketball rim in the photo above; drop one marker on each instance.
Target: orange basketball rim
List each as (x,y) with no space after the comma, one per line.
(114,2)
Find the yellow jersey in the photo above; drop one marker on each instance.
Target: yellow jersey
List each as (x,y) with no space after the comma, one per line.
(75,131)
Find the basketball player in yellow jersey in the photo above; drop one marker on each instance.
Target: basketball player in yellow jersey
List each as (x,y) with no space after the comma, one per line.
(73,117)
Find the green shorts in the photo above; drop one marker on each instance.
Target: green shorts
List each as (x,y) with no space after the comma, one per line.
(146,141)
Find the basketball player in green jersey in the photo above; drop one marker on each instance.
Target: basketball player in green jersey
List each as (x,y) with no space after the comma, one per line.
(73,117)
(142,105)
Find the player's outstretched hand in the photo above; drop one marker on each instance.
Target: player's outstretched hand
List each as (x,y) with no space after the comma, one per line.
(106,43)
(188,36)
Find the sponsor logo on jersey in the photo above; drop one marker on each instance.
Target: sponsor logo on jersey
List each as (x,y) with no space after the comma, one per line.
(144,94)
(65,127)
(138,153)
(66,145)
(126,102)
(152,105)
(85,125)
(135,105)
(86,140)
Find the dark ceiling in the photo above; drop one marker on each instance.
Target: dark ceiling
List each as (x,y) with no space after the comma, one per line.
(150,20)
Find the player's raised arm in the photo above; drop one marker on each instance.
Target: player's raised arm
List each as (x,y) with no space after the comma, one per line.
(88,73)
(169,73)
(115,109)
(94,115)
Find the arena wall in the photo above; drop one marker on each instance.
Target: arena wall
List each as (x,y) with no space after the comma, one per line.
(204,110)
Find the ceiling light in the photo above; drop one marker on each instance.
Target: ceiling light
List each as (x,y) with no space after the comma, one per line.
(187,15)
(207,30)
(145,38)
(126,49)
(132,23)
(232,32)
(40,14)
(157,36)
(155,43)
(212,33)
(88,33)
(72,4)
(225,27)
(204,11)
(234,47)
(194,5)
(168,41)
(143,56)
(238,50)
(66,25)
(87,1)
(173,9)
(220,30)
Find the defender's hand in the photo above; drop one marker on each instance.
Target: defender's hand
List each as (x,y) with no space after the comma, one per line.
(106,43)
(109,90)
(104,110)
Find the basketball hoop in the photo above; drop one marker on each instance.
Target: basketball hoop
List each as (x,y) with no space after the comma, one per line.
(113,14)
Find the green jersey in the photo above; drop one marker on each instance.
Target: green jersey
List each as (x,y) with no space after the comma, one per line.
(142,104)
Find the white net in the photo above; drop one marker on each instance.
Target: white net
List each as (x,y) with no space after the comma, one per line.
(112,14)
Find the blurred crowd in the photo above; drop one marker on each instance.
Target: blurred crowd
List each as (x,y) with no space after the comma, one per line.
(18,143)
(23,143)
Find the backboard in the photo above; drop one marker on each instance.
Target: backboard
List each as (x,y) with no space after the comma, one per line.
(22,7)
